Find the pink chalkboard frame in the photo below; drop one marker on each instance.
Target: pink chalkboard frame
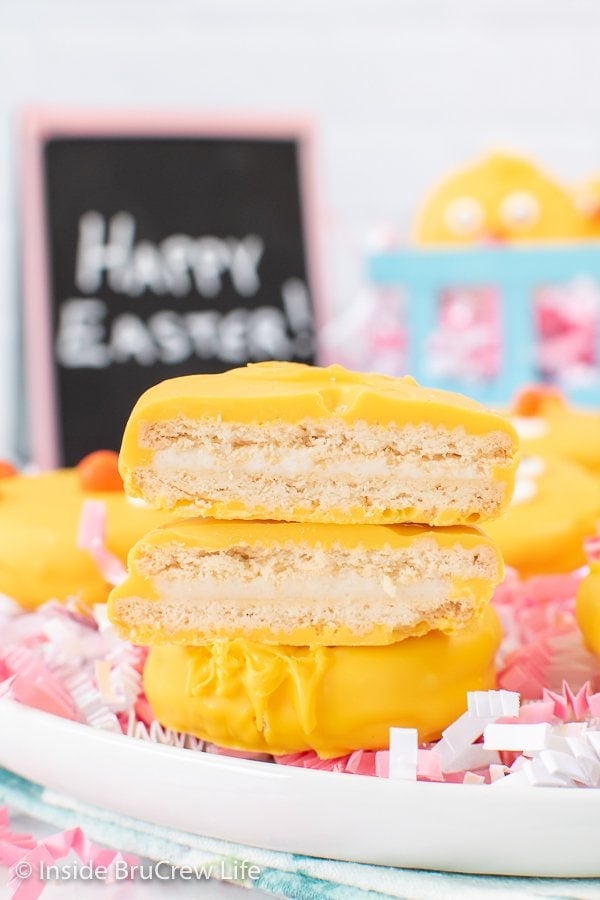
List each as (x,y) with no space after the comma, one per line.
(41,125)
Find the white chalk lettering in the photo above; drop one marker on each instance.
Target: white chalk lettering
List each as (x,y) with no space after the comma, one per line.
(169,332)
(203,331)
(86,339)
(209,259)
(81,332)
(268,338)
(130,339)
(95,256)
(177,250)
(232,336)
(245,257)
(145,270)
(296,303)
(175,266)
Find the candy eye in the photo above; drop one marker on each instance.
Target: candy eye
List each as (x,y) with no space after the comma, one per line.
(464,216)
(519,210)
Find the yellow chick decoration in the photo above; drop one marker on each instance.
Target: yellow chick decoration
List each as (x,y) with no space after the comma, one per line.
(502,197)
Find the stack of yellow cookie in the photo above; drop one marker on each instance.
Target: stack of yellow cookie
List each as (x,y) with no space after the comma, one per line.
(327,585)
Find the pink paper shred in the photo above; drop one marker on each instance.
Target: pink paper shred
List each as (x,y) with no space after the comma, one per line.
(91,536)
(542,646)
(22,848)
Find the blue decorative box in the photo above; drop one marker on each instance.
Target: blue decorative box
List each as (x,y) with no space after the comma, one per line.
(485,321)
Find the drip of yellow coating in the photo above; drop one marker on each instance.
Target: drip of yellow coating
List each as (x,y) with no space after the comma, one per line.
(267,671)
(39,557)
(260,698)
(587,608)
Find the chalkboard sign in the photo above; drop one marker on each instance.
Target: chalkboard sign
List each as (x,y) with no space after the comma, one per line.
(153,249)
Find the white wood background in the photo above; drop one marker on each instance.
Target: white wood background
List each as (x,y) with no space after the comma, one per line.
(401,90)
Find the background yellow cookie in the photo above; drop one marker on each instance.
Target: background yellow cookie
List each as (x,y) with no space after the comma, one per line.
(587,608)
(546,424)
(555,506)
(39,558)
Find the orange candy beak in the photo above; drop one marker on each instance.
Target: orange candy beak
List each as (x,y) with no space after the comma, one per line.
(534,399)
(99,471)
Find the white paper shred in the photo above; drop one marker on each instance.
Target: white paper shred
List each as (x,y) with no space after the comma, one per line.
(516,737)
(492,704)
(404,743)
(157,734)
(474,757)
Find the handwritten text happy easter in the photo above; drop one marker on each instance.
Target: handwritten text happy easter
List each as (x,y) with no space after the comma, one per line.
(108,255)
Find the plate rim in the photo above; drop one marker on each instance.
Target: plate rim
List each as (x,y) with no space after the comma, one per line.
(298,773)
(244,800)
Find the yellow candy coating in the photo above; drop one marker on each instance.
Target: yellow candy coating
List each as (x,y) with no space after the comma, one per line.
(277,699)
(291,392)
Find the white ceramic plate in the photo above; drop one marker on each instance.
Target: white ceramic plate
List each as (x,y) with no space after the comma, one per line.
(451,827)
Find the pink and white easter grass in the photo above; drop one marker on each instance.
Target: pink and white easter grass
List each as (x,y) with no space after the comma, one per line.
(24,856)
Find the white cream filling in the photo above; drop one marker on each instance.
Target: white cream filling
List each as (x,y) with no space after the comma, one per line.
(294,463)
(349,588)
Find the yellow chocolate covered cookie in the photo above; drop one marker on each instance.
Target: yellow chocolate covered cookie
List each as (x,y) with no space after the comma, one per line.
(555,506)
(39,558)
(291,442)
(546,424)
(587,608)
(196,580)
(330,699)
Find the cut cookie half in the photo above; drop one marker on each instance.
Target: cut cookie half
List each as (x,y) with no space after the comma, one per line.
(289,442)
(195,581)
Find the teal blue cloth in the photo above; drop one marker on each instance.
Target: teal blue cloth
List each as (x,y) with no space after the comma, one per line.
(281,874)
